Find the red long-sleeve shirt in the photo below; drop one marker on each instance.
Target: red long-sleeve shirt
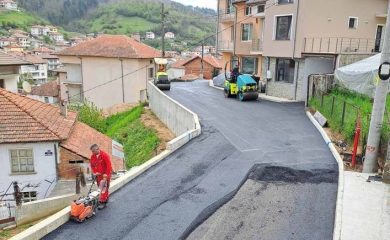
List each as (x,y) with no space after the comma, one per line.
(101,164)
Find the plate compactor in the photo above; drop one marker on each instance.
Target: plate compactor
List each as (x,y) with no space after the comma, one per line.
(85,207)
(242,86)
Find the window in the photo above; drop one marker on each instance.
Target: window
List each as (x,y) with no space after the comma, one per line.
(229,7)
(1,83)
(248,11)
(151,73)
(285,69)
(260,8)
(283,28)
(29,196)
(22,161)
(246,34)
(285,1)
(249,65)
(353,22)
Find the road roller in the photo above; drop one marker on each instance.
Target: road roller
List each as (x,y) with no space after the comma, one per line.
(242,86)
(162,79)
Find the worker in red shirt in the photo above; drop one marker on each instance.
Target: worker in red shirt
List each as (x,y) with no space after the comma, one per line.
(101,168)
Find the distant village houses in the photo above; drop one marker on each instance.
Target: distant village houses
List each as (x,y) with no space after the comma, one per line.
(169,35)
(150,35)
(8,5)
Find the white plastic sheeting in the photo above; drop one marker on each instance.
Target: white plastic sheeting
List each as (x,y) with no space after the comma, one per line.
(361,76)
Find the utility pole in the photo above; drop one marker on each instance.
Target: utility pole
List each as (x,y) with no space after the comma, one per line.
(378,109)
(163,15)
(202,59)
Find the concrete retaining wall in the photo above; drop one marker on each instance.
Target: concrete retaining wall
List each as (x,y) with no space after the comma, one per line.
(36,210)
(177,117)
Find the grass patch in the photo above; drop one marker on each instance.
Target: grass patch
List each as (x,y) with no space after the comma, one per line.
(14,19)
(354,103)
(139,142)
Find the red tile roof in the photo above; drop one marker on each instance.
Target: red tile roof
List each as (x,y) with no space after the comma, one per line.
(179,63)
(82,137)
(49,89)
(208,59)
(26,120)
(113,46)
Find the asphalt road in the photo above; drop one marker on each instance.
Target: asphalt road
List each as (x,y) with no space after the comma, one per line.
(239,140)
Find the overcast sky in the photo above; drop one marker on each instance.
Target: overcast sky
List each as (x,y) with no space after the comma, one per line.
(200,3)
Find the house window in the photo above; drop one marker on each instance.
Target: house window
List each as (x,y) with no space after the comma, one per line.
(260,8)
(229,7)
(248,11)
(46,99)
(283,28)
(285,1)
(353,22)
(151,73)
(1,83)
(285,69)
(246,34)
(29,196)
(249,65)
(22,160)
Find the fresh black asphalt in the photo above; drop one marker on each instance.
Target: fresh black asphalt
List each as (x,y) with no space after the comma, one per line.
(238,139)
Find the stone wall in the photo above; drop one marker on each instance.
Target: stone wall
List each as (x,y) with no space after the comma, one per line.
(346,59)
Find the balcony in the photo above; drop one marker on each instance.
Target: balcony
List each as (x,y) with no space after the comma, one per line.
(257,46)
(337,45)
(225,46)
(226,15)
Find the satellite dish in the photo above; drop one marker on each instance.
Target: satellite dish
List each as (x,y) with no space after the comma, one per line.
(26,87)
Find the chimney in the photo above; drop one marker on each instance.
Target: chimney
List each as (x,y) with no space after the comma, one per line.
(64,108)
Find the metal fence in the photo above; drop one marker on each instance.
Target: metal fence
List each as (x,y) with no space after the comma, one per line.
(343,115)
(7,215)
(334,45)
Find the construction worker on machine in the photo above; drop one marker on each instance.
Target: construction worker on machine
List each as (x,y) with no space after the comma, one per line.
(101,168)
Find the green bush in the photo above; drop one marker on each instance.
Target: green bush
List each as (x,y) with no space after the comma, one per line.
(91,115)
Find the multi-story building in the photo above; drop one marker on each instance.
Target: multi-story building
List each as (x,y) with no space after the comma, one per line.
(38,30)
(22,40)
(169,35)
(56,37)
(37,71)
(292,39)
(8,5)
(53,61)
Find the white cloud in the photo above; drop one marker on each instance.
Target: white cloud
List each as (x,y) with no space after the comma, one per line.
(200,3)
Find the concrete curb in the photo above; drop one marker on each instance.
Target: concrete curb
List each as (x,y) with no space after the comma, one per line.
(211,84)
(340,190)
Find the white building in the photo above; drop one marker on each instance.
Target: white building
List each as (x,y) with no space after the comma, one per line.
(38,30)
(8,5)
(47,92)
(37,71)
(9,71)
(22,40)
(169,35)
(150,35)
(6,42)
(53,61)
(56,37)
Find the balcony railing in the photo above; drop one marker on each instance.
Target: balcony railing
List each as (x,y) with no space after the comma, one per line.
(333,45)
(225,45)
(257,45)
(226,15)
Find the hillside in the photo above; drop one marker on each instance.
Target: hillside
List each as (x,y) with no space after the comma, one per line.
(22,20)
(125,17)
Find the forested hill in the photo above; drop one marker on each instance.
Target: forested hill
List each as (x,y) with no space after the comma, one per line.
(125,16)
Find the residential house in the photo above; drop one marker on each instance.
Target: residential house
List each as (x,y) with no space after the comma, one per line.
(10,70)
(53,61)
(38,30)
(177,70)
(8,5)
(285,41)
(37,71)
(206,50)
(46,92)
(56,37)
(211,66)
(169,35)
(75,40)
(22,40)
(13,48)
(109,65)
(42,51)
(35,43)
(4,41)
(60,46)
(150,35)
(52,29)
(41,143)
(70,91)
